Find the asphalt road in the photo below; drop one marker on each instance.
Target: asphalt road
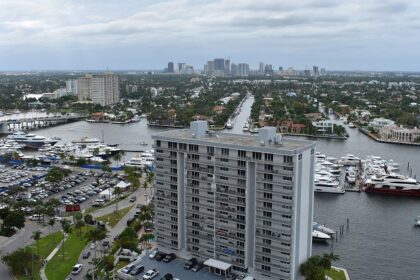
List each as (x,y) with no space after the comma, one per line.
(112,232)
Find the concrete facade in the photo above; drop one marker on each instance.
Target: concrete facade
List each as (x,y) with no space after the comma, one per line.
(240,199)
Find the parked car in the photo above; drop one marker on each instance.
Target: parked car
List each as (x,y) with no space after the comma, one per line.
(105,243)
(77,268)
(160,256)
(132,199)
(153,254)
(137,270)
(167,276)
(93,245)
(150,274)
(170,257)
(86,254)
(190,263)
(197,267)
(128,269)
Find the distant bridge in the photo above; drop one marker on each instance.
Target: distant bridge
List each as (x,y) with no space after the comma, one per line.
(11,125)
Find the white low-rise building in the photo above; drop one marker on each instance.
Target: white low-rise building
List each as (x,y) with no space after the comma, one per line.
(325,126)
(379,123)
(400,134)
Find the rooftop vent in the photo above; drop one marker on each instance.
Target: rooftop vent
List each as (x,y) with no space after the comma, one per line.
(198,129)
(268,136)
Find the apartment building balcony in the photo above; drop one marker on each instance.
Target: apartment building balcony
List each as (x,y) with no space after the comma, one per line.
(282,208)
(275,171)
(205,236)
(201,193)
(229,200)
(276,190)
(275,180)
(203,169)
(201,219)
(276,249)
(274,235)
(274,225)
(276,199)
(230,191)
(229,218)
(227,208)
(206,245)
(202,202)
(200,187)
(228,233)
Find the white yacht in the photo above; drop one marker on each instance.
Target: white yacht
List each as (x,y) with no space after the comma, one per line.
(145,159)
(30,141)
(323,229)
(328,187)
(136,118)
(320,236)
(86,140)
(349,160)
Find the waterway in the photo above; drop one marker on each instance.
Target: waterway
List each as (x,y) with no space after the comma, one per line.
(381,242)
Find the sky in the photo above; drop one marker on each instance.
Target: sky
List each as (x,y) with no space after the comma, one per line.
(381,35)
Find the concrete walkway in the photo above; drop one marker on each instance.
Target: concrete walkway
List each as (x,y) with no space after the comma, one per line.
(50,256)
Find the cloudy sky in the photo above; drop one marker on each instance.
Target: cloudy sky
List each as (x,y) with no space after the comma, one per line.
(146,34)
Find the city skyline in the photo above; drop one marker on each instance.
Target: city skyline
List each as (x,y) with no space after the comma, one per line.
(352,35)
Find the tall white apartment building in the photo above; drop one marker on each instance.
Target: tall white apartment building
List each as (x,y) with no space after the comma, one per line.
(102,89)
(240,203)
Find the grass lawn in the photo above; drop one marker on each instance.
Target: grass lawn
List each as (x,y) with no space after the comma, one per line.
(113,218)
(58,268)
(46,245)
(121,264)
(336,274)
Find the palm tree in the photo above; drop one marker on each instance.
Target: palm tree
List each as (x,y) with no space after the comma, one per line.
(117,192)
(66,227)
(36,235)
(51,224)
(117,157)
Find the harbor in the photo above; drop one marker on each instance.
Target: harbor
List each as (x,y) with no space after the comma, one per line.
(369,241)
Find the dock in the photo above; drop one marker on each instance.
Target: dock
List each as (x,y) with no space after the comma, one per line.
(372,136)
(11,125)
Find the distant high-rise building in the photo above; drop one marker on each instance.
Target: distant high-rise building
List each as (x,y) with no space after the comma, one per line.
(227,67)
(234,70)
(261,68)
(210,67)
(268,69)
(315,70)
(181,66)
(280,68)
(171,67)
(71,86)
(131,88)
(323,71)
(219,64)
(307,73)
(102,89)
(243,69)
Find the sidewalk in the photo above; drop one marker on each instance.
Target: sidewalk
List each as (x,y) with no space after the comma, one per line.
(50,256)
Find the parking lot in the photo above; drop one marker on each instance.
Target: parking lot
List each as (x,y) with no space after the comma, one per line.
(176,268)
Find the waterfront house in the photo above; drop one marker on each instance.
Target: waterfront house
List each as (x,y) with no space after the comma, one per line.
(400,134)
(379,123)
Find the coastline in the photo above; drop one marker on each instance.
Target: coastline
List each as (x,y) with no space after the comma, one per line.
(366,132)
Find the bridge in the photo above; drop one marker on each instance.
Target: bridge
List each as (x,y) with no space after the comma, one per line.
(11,125)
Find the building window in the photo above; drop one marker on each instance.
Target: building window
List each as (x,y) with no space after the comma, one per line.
(172,145)
(210,151)
(268,167)
(266,250)
(158,143)
(266,223)
(265,267)
(268,177)
(193,148)
(300,156)
(256,155)
(241,182)
(268,157)
(225,152)
(241,172)
(288,159)
(268,187)
(241,163)
(268,205)
(241,154)
(183,146)
(266,259)
(224,160)
(268,196)
(267,214)
(287,178)
(266,241)
(224,168)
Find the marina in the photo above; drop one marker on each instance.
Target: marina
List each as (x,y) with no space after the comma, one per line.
(360,245)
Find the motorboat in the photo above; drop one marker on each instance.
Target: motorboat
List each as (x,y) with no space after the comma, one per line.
(323,229)
(86,140)
(136,118)
(31,141)
(349,160)
(320,236)
(393,184)
(351,125)
(351,179)
(142,160)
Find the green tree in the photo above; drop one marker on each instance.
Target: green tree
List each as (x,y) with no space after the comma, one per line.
(51,224)
(14,220)
(117,192)
(57,174)
(66,227)
(20,261)
(36,235)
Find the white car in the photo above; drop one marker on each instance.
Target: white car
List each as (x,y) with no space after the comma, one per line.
(150,274)
(153,254)
(77,268)
(93,245)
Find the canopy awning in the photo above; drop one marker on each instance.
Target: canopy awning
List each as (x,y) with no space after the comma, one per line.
(217,264)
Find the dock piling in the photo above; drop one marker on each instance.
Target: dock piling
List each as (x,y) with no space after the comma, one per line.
(348,221)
